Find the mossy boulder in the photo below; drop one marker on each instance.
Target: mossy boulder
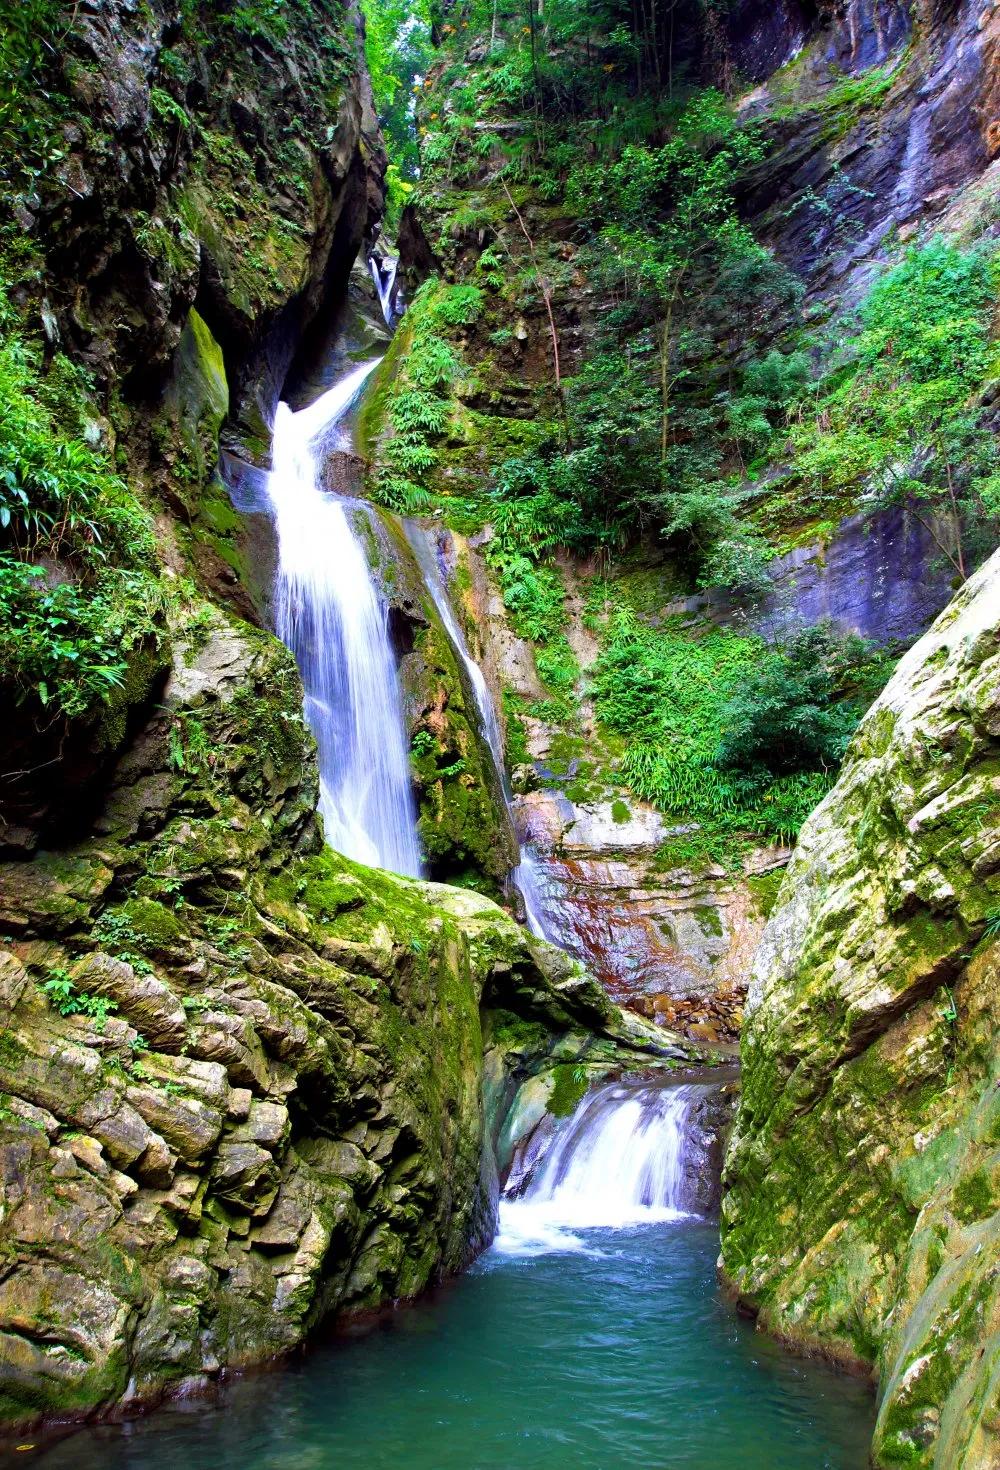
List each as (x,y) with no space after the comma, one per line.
(862,1213)
(464,827)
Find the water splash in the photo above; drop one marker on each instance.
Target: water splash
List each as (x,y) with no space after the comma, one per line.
(329,613)
(619,1162)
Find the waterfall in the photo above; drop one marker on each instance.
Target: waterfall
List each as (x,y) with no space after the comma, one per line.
(619,1161)
(525,877)
(384,275)
(329,613)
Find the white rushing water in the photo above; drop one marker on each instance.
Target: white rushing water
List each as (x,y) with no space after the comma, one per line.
(525,877)
(329,613)
(618,1162)
(384,275)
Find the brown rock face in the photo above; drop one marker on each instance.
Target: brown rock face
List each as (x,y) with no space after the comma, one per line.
(673,944)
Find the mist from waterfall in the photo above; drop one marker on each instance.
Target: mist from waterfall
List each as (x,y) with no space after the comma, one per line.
(329,613)
(525,877)
(618,1162)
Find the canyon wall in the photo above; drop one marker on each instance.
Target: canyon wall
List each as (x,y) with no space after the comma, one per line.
(862,1212)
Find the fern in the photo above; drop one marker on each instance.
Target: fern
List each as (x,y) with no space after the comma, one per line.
(418,410)
(435,365)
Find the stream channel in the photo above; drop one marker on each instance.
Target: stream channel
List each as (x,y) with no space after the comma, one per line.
(590,1336)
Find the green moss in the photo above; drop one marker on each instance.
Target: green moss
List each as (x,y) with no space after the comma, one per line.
(514,729)
(511,1032)
(569,1084)
(144,922)
(976,1196)
(461,820)
(765,887)
(709,920)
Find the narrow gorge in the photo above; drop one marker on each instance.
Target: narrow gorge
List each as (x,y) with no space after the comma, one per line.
(500,757)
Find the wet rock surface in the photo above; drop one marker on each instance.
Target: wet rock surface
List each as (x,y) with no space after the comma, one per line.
(671,943)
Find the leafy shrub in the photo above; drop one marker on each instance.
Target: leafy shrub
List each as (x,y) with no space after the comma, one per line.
(69,1001)
(726,732)
(78,589)
(898,416)
(796,708)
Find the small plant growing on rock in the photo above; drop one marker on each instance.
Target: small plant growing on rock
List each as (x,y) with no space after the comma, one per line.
(68,1001)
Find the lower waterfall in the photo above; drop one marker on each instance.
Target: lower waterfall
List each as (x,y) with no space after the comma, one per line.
(329,613)
(618,1162)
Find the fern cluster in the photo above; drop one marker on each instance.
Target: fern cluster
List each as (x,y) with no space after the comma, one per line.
(419,405)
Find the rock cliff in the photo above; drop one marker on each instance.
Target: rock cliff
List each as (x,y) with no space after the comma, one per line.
(184,192)
(241,1078)
(862,1210)
(876,127)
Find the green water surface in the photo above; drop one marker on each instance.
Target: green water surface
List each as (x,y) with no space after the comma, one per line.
(621,1355)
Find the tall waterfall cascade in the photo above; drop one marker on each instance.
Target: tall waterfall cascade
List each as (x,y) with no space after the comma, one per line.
(525,877)
(618,1162)
(329,613)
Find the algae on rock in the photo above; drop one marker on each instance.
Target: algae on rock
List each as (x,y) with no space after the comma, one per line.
(862,1211)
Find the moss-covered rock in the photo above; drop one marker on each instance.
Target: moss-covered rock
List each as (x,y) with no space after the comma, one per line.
(464,828)
(862,1216)
(262,1098)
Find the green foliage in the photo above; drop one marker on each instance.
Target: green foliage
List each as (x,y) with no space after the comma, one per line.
(724,549)
(69,1001)
(715,735)
(166,108)
(457,306)
(196,1005)
(535,599)
(426,749)
(190,749)
(78,591)
(658,221)
(31,33)
(899,416)
(419,405)
(260,20)
(771,386)
(116,934)
(797,707)
(397,48)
